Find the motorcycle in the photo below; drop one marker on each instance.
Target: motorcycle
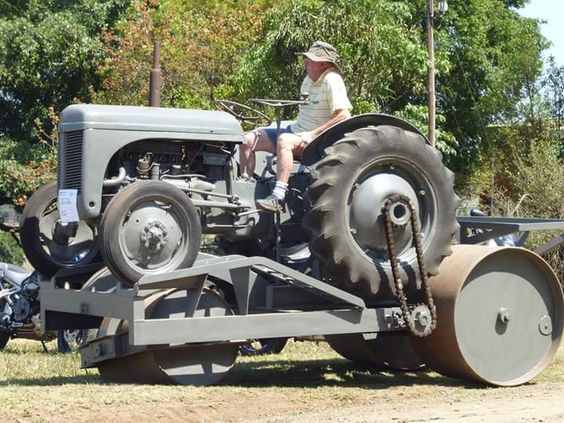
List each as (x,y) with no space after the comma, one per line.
(19,300)
(19,306)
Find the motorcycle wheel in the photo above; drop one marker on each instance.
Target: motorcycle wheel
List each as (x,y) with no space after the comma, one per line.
(70,341)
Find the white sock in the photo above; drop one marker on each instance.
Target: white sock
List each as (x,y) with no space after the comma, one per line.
(280,190)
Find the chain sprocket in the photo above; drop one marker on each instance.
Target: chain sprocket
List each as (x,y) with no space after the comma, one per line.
(423,327)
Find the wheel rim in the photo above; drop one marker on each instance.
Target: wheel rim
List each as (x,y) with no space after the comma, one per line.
(154,236)
(63,249)
(368,194)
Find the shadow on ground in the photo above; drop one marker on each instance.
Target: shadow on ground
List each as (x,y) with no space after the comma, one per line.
(285,373)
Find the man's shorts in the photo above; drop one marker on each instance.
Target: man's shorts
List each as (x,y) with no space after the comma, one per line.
(273,132)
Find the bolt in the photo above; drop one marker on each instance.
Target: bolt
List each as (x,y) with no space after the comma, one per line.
(545,325)
(353,231)
(503,315)
(422,193)
(422,317)
(96,351)
(154,236)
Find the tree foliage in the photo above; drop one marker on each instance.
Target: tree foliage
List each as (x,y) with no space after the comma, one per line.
(488,60)
(495,57)
(47,49)
(10,251)
(486,55)
(199,42)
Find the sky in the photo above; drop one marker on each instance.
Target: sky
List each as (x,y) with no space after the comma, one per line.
(551,11)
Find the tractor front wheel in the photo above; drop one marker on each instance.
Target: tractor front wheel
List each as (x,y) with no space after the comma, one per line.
(149,227)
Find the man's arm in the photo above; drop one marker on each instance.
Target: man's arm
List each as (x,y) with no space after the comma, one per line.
(338,116)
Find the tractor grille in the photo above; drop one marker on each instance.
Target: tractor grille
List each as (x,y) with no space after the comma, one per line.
(70,161)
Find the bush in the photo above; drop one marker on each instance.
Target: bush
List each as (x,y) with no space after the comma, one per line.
(10,251)
(532,187)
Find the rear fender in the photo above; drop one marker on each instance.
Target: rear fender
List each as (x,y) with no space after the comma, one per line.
(315,150)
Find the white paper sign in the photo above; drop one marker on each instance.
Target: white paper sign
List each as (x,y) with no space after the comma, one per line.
(67,205)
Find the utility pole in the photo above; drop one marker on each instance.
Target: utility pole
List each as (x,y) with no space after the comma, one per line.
(443,7)
(431,72)
(155,81)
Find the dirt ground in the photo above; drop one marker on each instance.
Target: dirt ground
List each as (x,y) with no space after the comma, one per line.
(306,383)
(417,403)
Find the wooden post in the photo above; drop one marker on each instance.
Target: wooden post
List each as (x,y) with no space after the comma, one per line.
(155,81)
(431,72)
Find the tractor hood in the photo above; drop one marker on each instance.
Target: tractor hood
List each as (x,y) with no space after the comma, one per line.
(151,119)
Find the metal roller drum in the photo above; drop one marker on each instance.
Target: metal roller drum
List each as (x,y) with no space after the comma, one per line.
(190,364)
(193,364)
(500,316)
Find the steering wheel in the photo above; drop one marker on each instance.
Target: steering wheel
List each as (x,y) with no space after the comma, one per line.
(243,113)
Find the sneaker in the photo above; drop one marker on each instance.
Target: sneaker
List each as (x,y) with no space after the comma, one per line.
(269,204)
(245,178)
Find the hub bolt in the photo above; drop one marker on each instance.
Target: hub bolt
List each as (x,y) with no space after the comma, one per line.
(504,315)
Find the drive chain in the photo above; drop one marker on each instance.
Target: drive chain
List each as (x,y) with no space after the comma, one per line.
(400,294)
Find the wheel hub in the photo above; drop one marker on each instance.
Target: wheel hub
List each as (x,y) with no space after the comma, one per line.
(154,236)
(366,219)
(151,235)
(422,318)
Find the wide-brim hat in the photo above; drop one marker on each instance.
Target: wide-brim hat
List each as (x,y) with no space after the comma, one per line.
(321,51)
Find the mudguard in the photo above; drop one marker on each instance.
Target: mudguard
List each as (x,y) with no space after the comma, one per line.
(314,151)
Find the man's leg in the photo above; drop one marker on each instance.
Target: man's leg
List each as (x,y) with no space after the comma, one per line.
(253,141)
(284,149)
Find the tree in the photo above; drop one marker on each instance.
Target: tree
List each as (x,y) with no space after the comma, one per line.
(555,86)
(47,50)
(486,54)
(495,57)
(199,42)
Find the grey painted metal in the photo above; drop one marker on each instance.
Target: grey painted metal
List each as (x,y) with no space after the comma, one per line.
(106,129)
(154,235)
(193,364)
(254,326)
(246,265)
(553,243)
(315,150)
(148,119)
(370,195)
(500,316)
(337,310)
(118,304)
(158,333)
(493,226)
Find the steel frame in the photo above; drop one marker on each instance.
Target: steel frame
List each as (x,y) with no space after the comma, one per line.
(476,229)
(273,301)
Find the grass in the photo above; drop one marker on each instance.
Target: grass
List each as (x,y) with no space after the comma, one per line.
(34,383)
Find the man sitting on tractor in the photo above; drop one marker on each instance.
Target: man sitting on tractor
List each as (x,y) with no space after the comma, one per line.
(327,105)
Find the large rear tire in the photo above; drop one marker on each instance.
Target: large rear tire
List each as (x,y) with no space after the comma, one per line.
(387,350)
(345,222)
(49,244)
(149,228)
